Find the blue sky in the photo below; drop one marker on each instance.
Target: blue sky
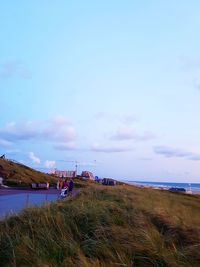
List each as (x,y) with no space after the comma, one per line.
(113,85)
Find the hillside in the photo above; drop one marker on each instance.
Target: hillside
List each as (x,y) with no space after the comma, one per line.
(17,174)
(106,226)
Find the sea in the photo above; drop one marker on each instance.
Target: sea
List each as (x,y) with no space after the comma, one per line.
(194,187)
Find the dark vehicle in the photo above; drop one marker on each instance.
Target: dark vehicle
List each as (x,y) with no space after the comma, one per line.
(177,189)
(108,181)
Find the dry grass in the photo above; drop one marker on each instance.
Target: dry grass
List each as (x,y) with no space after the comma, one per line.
(16,174)
(106,226)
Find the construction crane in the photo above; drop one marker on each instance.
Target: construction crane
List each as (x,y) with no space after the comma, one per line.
(73,161)
(78,163)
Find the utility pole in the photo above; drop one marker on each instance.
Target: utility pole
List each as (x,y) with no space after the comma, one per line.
(76,166)
(73,161)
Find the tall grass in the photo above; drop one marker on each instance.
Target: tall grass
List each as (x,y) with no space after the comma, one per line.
(106,226)
(16,174)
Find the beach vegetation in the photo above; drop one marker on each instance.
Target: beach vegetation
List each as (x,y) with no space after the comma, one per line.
(106,226)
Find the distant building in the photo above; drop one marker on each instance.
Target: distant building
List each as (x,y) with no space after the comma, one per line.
(64,174)
(87,175)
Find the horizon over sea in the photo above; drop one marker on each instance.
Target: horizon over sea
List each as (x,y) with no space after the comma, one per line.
(166,185)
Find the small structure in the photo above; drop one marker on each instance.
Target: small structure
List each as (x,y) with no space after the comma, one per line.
(65,174)
(40,185)
(108,181)
(87,175)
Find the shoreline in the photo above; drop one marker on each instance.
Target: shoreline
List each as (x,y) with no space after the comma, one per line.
(188,192)
(161,186)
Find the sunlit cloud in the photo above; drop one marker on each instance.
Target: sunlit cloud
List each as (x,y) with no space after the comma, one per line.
(33,158)
(49,164)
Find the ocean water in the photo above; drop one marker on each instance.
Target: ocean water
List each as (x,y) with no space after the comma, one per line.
(195,187)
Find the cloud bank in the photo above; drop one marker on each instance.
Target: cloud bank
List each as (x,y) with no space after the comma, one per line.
(174,152)
(58,130)
(127,133)
(110,148)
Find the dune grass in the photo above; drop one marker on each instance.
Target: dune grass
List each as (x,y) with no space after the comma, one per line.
(106,226)
(17,174)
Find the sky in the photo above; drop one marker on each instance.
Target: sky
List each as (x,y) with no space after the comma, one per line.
(110,86)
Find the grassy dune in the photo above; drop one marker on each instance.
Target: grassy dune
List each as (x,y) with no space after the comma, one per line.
(17,174)
(106,226)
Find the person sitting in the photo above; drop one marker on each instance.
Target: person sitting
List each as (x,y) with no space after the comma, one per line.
(65,186)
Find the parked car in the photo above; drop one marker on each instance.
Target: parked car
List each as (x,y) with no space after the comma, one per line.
(177,189)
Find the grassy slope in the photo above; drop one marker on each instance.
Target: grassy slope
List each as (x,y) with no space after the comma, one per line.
(106,226)
(13,173)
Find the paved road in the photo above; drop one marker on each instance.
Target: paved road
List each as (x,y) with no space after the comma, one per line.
(14,191)
(13,201)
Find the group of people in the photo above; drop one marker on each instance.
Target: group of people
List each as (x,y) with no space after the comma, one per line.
(66,187)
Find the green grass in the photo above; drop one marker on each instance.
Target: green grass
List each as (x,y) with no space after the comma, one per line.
(106,226)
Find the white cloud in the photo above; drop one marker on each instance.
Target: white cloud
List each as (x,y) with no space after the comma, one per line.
(56,130)
(49,164)
(176,152)
(34,159)
(88,164)
(65,146)
(110,148)
(5,143)
(123,118)
(60,120)
(67,134)
(124,133)
(127,133)
(147,136)
(59,129)
(19,131)
(190,63)
(129,118)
